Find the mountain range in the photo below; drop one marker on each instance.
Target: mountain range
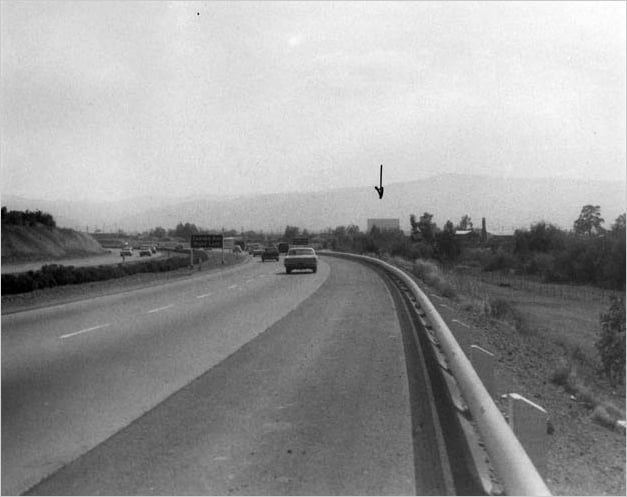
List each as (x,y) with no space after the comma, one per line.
(506,203)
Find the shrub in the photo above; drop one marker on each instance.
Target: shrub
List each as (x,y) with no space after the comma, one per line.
(430,273)
(500,260)
(502,309)
(611,342)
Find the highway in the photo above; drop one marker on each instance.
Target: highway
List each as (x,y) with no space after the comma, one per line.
(243,381)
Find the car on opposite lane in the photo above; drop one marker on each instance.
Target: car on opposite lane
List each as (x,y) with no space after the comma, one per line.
(301,258)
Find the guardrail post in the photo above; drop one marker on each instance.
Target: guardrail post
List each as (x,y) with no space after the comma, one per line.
(483,362)
(529,422)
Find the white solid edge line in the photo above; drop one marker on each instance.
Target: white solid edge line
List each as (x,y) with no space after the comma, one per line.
(86,330)
(159,309)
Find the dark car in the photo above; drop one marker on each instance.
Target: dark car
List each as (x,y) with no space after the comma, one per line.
(125,252)
(283,247)
(258,251)
(270,253)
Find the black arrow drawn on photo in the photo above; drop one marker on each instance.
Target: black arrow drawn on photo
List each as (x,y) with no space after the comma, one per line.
(380,187)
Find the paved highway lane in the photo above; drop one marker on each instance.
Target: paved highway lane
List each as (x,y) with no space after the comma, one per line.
(317,404)
(74,374)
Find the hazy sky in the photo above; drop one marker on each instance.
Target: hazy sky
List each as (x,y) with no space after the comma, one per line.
(108,100)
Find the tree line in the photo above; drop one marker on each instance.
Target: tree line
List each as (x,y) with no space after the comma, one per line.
(27,218)
(589,253)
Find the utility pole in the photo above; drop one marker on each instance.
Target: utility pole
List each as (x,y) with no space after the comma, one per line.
(222,244)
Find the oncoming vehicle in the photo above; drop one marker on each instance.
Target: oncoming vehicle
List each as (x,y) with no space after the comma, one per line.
(270,253)
(283,247)
(126,252)
(258,251)
(301,258)
(145,251)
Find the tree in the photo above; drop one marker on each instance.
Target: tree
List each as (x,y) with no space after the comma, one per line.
(465,223)
(158,232)
(415,231)
(185,230)
(427,227)
(619,224)
(291,232)
(447,244)
(589,220)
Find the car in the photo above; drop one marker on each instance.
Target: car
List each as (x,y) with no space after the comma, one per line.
(258,251)
(126,252)
(145,251)
(153,249)
(270,253)
(301,258)
(283,247)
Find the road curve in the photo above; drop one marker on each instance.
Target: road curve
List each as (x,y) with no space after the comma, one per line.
(318,403)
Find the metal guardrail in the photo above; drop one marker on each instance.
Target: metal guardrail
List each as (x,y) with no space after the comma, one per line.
(508,457)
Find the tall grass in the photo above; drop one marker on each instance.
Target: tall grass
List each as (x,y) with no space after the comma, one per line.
(566,376)
(430,273)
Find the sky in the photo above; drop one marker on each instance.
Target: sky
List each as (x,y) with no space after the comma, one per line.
(113,100)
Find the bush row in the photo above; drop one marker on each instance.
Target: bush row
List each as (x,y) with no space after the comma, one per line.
(58,275)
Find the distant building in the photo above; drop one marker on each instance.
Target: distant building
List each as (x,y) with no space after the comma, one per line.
(384,224)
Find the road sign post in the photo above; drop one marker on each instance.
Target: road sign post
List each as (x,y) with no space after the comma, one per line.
(206,241)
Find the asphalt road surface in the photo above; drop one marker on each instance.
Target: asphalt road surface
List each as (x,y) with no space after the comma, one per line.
(246,381)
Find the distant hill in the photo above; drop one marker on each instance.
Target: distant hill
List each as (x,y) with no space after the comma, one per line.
(25,243)
(506,203)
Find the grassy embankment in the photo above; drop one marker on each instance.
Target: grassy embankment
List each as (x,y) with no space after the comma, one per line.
(32,243)
(566,315)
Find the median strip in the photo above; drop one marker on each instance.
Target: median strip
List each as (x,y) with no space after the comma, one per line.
(86,330)
(160,309)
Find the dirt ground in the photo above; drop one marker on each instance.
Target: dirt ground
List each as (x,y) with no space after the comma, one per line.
(585,458)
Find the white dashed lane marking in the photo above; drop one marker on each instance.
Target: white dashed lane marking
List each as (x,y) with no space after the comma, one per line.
(86,330)
(232,286)
(446,306)
(203,295)
(159,309)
